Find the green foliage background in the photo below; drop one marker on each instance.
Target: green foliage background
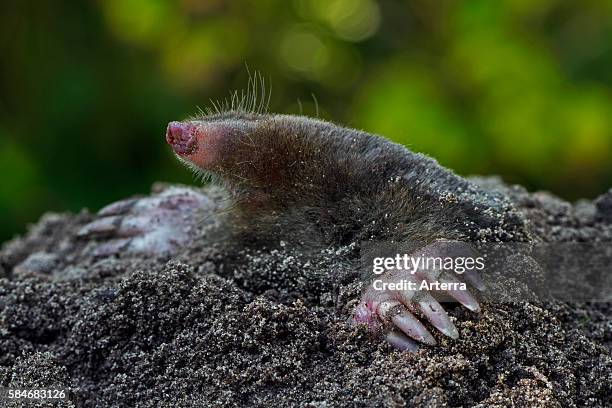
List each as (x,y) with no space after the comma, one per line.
(520,88)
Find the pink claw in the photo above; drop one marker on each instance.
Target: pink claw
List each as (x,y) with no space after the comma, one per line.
(401,342)
(409,324)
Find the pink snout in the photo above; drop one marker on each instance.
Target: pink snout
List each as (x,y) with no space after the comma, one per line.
(181,136)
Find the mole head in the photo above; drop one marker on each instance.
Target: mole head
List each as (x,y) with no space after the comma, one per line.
(237,145)
(203,143)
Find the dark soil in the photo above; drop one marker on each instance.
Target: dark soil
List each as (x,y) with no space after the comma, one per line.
(269,328)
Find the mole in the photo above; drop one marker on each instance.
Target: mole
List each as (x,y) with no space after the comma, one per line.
(315,183)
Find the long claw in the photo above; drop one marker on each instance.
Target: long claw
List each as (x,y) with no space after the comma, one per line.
(410,325)
(462,296)
(112,247)
(137,225)
(405,321)
(437,316)
(401,342)
(118,208)
(474,279)
(100,227)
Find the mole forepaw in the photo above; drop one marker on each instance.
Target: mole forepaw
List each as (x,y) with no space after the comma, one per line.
(394,299)
(158,225)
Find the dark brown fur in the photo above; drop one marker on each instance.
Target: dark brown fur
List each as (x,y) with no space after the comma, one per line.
(319,182)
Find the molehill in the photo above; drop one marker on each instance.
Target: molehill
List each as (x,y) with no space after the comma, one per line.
(270,328)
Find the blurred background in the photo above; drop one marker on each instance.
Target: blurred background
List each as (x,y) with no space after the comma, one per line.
(519,88)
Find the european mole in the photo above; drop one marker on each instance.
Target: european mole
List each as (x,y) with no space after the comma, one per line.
(316,183)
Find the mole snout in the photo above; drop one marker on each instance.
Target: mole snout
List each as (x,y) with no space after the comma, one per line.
(182,137)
